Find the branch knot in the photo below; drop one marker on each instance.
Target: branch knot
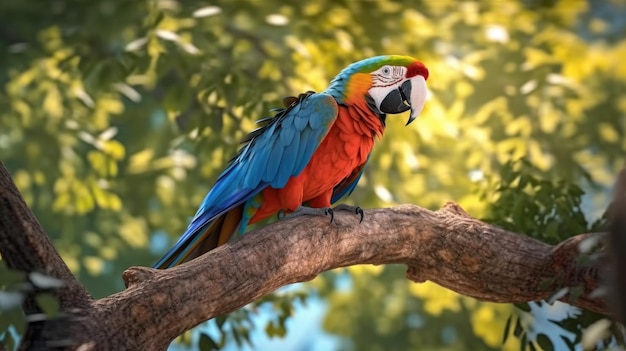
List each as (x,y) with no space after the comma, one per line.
(136,275)
(454,209)
(413,274)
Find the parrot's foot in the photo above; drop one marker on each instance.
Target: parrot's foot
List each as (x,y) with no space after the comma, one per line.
(354,209)
(322,211)
(303,210)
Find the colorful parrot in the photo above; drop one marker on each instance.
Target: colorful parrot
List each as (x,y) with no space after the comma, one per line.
(311,152)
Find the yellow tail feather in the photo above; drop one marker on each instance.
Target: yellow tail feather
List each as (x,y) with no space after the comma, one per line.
(217,234)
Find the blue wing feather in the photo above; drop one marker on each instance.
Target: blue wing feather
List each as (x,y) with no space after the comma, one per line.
(301,120)
(286,135)
(272,168)
(308,144)
(274,153)
(287,162)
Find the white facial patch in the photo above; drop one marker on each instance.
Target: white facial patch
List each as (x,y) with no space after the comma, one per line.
(387,75)
(384,80)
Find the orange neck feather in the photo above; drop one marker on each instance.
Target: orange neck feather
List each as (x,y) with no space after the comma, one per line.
(356,89)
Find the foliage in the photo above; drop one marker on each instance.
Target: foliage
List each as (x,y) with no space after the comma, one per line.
(548,210)
(116,117)
(236,327)
(15,288)
(12,321)
(524,202)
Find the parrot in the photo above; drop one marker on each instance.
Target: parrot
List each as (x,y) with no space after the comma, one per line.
(307,156)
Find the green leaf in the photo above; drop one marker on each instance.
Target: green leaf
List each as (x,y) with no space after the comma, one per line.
(7,340)
(206,343)
(523,181)
(154,19)
(48,303)
(18,320)
(5,320)
(575,293)
(552,230)
(245,334)
(518,328)
(507,330)
(571,345)
(546,283)
(545,342)
(523,306)
(219,320)
(10,277)
(273,329)
(269,328)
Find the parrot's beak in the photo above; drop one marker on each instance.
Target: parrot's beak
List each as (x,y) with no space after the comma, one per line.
(416,94)
(411,94)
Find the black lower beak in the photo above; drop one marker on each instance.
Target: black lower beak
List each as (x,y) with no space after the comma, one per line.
(396,101)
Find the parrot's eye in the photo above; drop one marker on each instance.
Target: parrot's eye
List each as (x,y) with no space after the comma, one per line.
(386,71)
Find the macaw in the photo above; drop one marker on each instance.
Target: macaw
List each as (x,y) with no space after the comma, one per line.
(311,152)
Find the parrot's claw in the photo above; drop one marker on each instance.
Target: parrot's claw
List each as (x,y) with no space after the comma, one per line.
(323,211)
(355,209)
(303,210)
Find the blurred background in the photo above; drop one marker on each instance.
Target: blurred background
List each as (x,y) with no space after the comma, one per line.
(117,116)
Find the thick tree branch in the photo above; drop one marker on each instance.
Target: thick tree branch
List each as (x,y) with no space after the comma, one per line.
(25,246)
(446,246)
(617,218)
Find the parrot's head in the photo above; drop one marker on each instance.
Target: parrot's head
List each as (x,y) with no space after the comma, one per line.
(389,84)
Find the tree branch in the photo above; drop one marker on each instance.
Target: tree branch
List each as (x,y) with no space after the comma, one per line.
(446,246)
(25,246)
(617,228)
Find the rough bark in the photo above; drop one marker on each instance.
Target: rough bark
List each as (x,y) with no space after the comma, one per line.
(617,229)
(446,246)
(24,246)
